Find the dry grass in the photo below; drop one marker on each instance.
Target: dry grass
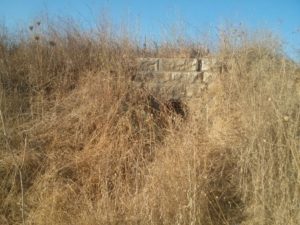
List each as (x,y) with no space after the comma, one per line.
(80,145)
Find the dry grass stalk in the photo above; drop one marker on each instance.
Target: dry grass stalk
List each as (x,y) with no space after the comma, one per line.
(90,148)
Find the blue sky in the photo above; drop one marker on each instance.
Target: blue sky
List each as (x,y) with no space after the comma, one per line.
(151,18)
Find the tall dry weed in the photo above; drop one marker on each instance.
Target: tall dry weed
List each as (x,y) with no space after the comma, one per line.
(81,145)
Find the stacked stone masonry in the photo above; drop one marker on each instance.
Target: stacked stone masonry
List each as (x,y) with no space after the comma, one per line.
(175,78)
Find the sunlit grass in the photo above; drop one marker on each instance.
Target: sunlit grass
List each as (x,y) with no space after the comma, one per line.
(81,145)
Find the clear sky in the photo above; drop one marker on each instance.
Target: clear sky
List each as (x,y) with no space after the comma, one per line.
(151,17)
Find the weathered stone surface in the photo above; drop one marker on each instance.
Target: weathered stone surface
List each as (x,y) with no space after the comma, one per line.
(175,64)
(148,64)
(148,76)
(207,76)
(144,76)
(176,78)
(169,90)
(208,63)
(189,77)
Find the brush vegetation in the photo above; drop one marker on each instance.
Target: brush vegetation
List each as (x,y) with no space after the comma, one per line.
(79,144)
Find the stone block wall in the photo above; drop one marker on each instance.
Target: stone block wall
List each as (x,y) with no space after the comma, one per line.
(175,78)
